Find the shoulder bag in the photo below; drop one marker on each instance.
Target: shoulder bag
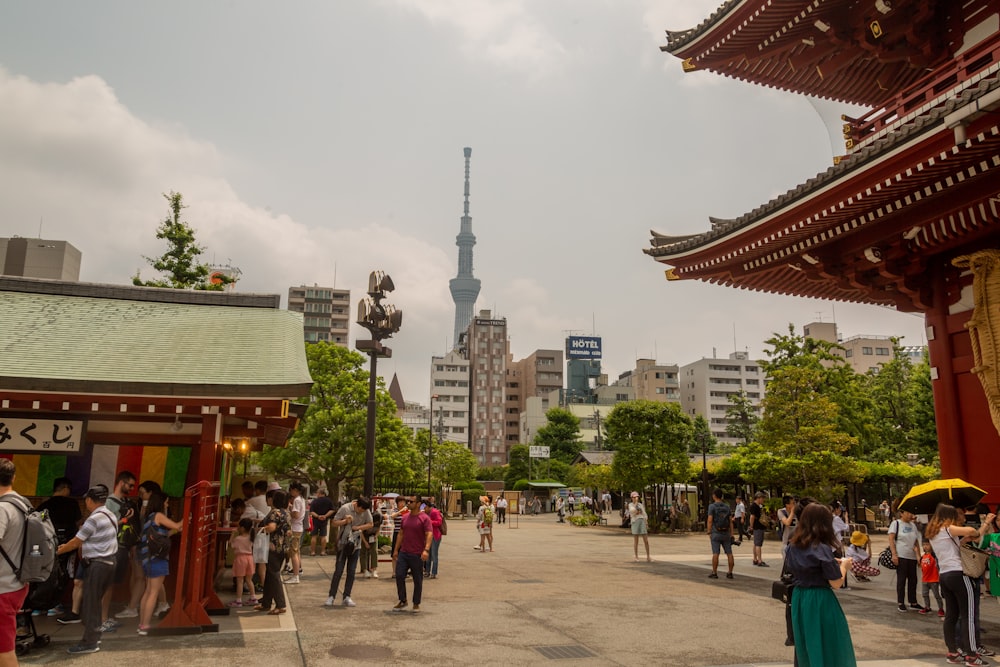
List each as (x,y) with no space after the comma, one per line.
(885,559)
(974,560)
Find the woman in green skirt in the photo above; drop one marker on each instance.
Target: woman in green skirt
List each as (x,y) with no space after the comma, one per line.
(822,638)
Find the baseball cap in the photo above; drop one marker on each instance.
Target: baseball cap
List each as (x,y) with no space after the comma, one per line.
(98,493)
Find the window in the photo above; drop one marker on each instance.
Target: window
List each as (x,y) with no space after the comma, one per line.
(848,353)
(881,352)
(867,351)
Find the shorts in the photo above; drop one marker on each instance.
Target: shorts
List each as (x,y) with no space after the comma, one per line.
(295,543)
(639,526)
(758,537)
(319,528)
(723,541)
(10,604)
(155,567)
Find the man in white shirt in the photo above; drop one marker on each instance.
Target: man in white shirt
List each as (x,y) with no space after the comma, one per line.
(738,515)
(297,512)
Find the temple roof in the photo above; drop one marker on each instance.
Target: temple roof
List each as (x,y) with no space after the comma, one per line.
(861,53)
(788,244)
(83,337)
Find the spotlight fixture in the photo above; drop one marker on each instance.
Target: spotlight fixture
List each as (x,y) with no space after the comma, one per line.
(177,426)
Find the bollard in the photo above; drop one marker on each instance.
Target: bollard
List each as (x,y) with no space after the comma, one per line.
(468,508)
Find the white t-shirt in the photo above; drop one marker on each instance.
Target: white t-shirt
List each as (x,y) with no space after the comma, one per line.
(297,511)
(946,550)
(907,539)
(741,509)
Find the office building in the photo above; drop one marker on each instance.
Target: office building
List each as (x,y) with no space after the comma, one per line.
(488,352)
(39,258)
(450,402)
(707,384)
(652,381)
(326,313)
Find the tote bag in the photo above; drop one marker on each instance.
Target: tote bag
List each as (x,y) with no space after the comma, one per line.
(261,547)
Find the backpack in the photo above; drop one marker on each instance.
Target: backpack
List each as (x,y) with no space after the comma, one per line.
(128,529)
(720,518)
(157,544)
(488,515)
(38,542)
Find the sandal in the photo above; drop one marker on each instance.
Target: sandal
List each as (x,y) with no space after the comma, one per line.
(259,607)
(276,611)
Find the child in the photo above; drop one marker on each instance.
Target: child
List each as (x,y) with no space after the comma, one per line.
(930,576)
(243,565)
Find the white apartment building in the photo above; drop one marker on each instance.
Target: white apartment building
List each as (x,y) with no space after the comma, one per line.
(325,313)
(450,385)
(707,384)
(864,352)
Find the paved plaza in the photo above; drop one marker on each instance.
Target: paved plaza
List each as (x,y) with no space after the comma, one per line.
(551,594)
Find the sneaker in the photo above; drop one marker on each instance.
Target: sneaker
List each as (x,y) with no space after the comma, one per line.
(917,608)
(127,612)
(432,576)
(68,618)
(713,576)
(955,659)
(292,580)
(80,649)
(924,611)
(374,575)
(348,602)
(329,602)
(236,603)
(108,626)
(975,660)
(901,608)
(416,609)
(729,575)
(982,650)
(164,607)
(763,564)
(252,601)
(941,614)
(368,574)
(143,630)
(400,606)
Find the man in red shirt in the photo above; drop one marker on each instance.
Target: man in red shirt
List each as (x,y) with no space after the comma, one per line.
(411,550)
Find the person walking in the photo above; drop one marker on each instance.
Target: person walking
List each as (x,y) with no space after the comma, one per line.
(822,636)
(97,540)
(411,550)
(638,518)
(560,504)
(719,525)
(739,520)
(945,531)
(905,541)
(431,565)
(352,518)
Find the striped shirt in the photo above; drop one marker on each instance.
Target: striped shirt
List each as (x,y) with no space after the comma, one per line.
(99,534)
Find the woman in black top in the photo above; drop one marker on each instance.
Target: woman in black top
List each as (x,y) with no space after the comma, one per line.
(822,638)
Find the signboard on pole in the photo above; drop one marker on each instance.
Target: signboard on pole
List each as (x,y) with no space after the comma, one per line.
(583,347)
(538,452)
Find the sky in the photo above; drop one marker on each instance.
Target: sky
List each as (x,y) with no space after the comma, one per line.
(315,142)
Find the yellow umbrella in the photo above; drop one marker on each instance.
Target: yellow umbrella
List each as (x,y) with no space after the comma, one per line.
(924,498)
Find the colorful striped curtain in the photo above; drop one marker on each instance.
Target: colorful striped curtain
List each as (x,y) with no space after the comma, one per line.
(99,464)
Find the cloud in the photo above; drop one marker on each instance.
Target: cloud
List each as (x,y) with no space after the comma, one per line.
(506,33)
(75,158)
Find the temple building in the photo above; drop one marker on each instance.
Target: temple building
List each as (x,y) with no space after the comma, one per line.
(908,217)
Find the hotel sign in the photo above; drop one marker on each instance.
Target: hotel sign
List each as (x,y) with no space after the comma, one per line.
(583,347)
(40,435)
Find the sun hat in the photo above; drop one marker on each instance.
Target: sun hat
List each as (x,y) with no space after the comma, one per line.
(274,486)
(859,539)
(484,499)
(634,494)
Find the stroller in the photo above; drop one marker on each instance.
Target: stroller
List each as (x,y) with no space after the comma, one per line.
(42,595)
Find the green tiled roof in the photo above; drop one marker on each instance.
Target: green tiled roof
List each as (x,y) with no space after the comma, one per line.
(149,344)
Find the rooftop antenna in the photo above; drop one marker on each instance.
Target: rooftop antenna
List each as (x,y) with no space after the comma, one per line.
(334,275)
(40,219)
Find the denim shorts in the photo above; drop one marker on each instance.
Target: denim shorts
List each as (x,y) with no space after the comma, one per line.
(723,541)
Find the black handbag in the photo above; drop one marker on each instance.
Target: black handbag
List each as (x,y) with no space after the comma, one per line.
(781,590)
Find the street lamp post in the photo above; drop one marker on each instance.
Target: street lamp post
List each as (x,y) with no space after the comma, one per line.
(382,320)
(703,441)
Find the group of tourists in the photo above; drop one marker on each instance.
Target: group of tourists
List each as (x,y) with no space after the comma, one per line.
(120,540)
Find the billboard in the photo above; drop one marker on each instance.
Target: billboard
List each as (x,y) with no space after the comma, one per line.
(583,347)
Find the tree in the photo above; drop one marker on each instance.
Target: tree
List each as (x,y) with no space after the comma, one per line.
(451,463)
(328,447)
(561,434)
(741,417)
(179,263)
(518,467)
(903,409)
(651,442)
(798,443)
(703,437)
(593,476)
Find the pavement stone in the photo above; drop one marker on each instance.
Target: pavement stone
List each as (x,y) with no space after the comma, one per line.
(549,594)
